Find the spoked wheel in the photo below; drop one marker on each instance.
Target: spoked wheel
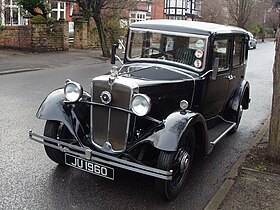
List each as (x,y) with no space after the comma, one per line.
(237,119)
(59,131)
(180,162)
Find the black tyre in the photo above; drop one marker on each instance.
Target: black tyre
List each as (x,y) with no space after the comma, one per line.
(237,119)
(180,162)
(59,131)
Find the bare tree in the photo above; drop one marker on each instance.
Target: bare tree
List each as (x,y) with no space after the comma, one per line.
(95,9)
(274,132)
(213,11)
(240,11)
(1,11)
(272,18)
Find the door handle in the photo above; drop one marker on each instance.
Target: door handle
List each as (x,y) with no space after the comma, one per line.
(230,77)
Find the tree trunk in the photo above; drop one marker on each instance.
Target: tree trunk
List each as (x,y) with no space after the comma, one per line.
(102,36)
(274,132)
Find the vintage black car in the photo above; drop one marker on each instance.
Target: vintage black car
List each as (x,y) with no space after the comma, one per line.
(181,87)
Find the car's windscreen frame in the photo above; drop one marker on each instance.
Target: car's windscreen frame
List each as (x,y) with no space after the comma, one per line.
(168,33)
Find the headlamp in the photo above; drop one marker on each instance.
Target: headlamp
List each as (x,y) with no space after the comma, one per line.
(73,91)
(141,104)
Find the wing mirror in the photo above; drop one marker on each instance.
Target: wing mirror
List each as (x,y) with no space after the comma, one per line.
(215,68)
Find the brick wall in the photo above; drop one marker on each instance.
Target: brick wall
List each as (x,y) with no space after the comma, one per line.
(46,38)
(81,34)
(37,37)
(15,37)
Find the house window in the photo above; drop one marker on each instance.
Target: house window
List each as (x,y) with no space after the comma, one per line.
(9,13)
(58,10)
(136,16)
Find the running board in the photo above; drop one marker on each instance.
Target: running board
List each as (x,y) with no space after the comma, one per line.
(219,131)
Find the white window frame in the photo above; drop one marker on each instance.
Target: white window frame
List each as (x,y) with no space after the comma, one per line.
(137,16)
(58,10)
(2,12)
(11,6)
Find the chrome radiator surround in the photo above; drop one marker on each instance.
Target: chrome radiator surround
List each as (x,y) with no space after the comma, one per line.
(109,126)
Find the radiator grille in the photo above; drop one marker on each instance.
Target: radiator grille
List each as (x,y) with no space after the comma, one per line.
(108,124)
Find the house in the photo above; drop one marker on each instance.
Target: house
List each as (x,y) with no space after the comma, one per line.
(10,14)
(141,10)
(182,9)
(163,9)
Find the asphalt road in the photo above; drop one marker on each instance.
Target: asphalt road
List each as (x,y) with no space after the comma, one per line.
(29,180)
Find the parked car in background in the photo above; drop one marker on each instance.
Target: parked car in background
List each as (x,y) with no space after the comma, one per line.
(252,41)
(180,90)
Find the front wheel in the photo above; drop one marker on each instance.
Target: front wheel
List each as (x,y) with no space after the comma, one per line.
(180,163)
(59,131)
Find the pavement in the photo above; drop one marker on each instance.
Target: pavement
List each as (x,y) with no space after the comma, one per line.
(15,61)
(245,187)
(253,182)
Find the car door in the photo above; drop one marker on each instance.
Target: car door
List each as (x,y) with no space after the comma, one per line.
(239,57)
(217,90)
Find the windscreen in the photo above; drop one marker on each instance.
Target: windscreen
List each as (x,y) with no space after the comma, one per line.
(188,50)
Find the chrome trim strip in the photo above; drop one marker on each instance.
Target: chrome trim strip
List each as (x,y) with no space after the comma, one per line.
(108,124)
(204,75)
(89,154)
(223,134)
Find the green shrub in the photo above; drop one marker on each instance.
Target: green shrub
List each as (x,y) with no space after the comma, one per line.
(2,27)
(38,19)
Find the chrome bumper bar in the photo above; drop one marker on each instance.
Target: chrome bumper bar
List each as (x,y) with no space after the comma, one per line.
(98,157)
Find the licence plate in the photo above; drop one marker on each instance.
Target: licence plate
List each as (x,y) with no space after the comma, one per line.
(89,166)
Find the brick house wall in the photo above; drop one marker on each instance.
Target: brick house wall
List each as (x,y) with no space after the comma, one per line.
(158,9)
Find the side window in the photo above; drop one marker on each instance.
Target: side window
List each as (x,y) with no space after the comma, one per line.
(221,50)
(238,51)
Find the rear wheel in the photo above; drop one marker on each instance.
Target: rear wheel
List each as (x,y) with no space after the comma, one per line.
(59,131)
(180,162)
(237,119)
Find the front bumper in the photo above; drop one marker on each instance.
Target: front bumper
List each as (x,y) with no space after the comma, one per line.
(101,158)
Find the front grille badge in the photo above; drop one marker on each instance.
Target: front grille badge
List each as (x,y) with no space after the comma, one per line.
(106,97)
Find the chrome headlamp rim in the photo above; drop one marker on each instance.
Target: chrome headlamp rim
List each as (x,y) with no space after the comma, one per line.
(145,103)
(73,93)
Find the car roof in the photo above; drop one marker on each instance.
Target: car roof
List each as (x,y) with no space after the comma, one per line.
(185,26)
(250,34)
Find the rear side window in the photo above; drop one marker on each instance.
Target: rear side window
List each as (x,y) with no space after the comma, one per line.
(238,51)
